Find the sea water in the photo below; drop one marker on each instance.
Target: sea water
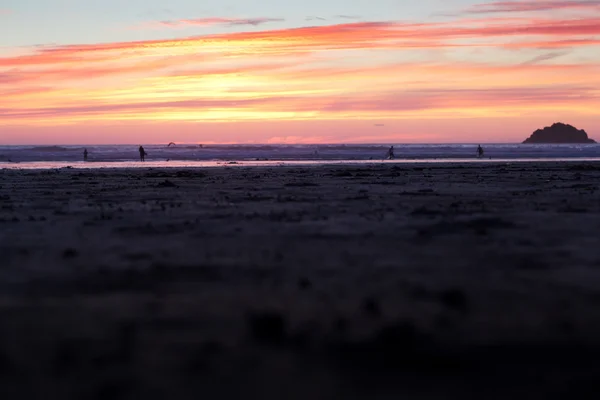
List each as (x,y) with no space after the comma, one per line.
(215,155)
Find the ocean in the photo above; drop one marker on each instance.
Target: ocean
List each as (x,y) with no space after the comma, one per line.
(196,155)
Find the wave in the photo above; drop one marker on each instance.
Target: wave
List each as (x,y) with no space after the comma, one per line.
(50,148)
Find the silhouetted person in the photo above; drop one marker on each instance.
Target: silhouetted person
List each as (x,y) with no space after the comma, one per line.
(143,154)
(479,151)
(390,154)
(85,154)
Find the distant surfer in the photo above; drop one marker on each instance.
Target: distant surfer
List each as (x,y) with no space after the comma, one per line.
(479,151)
(85,155)
(390,154)
(143,154)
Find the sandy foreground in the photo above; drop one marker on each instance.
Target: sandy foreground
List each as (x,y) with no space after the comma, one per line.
(325,282)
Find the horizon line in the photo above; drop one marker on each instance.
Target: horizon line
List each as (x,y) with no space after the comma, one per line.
(275,144)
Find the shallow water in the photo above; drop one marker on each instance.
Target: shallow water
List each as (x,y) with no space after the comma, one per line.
(212,154)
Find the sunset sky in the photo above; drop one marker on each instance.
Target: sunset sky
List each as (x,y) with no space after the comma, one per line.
(328,71)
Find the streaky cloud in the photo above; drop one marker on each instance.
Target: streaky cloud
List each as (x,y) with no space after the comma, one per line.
(546,57)
(540,33)
(411,100)
(531,6)
(212,21)
(342,16)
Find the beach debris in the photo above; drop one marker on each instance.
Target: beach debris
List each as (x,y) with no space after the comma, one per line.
(166,183)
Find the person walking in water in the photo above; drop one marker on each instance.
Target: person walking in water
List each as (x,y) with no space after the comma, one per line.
(479,151)
(143,154)
(85,154)
(390,154)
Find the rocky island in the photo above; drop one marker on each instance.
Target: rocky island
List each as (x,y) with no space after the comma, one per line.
(559,133)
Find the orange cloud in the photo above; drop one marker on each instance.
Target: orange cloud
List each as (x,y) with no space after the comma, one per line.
(506,67)
(353,36)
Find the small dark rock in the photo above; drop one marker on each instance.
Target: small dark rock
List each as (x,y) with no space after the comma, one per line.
(455,299)
(166,183)
(70,253)
(268,328)
(304,283)
(371,307)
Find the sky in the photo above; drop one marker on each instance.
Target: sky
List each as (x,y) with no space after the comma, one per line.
(333,71)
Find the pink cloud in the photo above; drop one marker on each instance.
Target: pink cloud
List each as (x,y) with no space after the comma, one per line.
(312,73)
(542,33)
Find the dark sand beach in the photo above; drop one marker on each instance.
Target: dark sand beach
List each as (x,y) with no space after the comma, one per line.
(413,281)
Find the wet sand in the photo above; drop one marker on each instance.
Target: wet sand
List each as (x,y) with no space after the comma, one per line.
(421,281)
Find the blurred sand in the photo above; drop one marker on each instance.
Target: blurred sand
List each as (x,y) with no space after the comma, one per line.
(425,281)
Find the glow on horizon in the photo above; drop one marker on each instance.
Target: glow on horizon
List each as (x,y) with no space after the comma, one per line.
(488,72)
